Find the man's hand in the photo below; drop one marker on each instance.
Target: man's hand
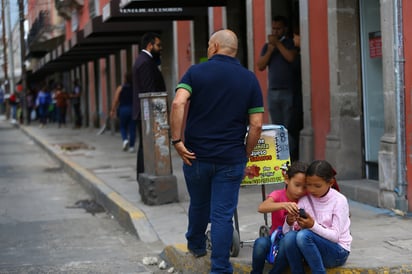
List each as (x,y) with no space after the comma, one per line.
(272,42)
(185,154)
(113,114)
(273,39)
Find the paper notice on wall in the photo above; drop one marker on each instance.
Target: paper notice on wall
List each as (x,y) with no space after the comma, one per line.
(375,44)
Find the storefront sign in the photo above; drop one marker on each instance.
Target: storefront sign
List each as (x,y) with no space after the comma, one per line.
(115,9)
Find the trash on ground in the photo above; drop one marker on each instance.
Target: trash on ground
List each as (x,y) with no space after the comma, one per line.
(150,260)
(163,265)
(91,206)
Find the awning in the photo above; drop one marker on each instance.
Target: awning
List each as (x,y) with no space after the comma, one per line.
(120,26)
(97,40)
(98,28)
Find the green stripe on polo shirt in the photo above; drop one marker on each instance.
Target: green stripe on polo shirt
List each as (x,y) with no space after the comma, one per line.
(256,110)
(184,86)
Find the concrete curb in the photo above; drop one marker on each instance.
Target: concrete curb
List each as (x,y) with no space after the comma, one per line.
(129,216)
(183,261)
(178,256)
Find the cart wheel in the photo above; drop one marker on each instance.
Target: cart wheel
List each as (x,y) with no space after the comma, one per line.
(264,231)
(234,249)
(208,240)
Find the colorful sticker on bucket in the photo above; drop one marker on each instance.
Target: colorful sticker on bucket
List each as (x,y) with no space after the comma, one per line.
(269,156)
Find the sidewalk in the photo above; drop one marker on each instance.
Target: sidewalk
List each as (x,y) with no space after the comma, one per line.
(382,240)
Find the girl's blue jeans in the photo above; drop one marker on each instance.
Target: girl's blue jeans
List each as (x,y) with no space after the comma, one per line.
(318,252)
(214,192)
(261,248)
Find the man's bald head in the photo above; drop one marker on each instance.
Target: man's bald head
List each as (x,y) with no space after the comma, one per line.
(223,42)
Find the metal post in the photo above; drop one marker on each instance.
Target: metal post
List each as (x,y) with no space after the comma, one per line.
(23,65)
(3,25)
(10,47)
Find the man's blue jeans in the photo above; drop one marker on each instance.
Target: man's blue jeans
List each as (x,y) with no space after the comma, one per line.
(281,106)
(281,111)
(214,192)
(318,252)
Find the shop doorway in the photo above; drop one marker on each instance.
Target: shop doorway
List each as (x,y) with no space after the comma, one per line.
(372,85)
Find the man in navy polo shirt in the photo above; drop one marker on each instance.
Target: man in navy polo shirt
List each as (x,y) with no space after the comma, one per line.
(224,99)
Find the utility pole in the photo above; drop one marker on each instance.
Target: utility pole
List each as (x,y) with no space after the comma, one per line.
(9,46)
(23,62)
(3,25)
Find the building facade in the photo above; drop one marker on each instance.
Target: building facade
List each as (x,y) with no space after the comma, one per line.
(355,64)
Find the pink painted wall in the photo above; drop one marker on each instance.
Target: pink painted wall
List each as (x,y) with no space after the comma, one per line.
(83,14)
(184,51)
(105,111)
(217,18)
(407,26)
(259,39)
(319,67)
(113,82)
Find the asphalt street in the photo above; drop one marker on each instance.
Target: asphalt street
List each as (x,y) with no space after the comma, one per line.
(42,229)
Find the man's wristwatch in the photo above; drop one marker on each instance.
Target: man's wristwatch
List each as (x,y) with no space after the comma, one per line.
(174,142)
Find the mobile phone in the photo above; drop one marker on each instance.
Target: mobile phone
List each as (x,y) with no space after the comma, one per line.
(302,213)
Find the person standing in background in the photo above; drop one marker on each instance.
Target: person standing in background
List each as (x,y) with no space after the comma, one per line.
(224,98)
(13,102)
(61,98)
(278,54)
(75,100)
(29,105)
(42,104)
(52,111)
(123,108)
(146,78)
